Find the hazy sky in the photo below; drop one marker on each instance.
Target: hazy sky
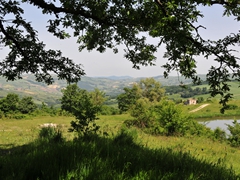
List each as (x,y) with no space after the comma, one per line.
(107,64)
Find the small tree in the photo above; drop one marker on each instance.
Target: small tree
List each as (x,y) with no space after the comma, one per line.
(151,89)
(129,97)
(98,98)
(219,134)
(78,102)
(141,110)
(200,99)
(147,88)
(171,118)
(26,105)
(9,103)
(234,137)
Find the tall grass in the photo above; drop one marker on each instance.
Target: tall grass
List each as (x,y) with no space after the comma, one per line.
(129,154)
(95,157)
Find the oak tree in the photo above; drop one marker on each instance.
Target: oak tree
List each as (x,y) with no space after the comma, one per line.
(9,104)
(129,97)
(103,24)
(148,89)
(98,98)
(79,102)
(26,105)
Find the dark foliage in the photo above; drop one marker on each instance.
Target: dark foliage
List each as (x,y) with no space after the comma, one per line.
(110,23)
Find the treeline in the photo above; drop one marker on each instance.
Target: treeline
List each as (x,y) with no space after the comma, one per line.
(155,114)
(145,101)
(186,92)
(151,111)
(12,106)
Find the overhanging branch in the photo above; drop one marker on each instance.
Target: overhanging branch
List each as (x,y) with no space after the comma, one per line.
(9,37)
(79,11)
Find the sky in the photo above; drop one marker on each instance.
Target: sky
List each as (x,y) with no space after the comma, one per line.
(98,64)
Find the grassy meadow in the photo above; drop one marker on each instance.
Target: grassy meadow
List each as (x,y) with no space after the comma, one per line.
(234,90)
(115,154)
(212,111)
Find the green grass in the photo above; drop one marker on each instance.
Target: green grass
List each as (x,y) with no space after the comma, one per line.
(234,89)
(198,147)
(133,156)
(213,110)
(19,132)
(103,158)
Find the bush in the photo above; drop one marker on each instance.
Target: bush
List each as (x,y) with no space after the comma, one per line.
(19,116)
(142,112)
(171,118)
(126,138)
(62,112)
(50,134)
(195,128)
(157,130)
(178,101)
(164,118)
(219,134)
(234,137)
(26,105)
(108,110)
(231,107)
(200,99)
(2,115)
(79,102)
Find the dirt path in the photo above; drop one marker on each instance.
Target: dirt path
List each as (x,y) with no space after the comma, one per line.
(200,107)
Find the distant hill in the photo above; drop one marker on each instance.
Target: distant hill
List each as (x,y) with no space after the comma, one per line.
(114,77)
(112,86)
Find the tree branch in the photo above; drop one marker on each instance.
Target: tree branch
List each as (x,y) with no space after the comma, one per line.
(223,2)
(196,43)
(13,40)
(79,11)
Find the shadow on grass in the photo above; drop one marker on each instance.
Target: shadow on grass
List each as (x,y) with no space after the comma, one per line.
(102,158)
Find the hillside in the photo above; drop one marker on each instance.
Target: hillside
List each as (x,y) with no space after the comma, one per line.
(50,94)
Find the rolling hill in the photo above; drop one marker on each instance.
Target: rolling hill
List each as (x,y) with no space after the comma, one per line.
(50,94)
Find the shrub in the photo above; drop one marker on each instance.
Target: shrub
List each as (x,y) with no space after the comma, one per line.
(126,137)
(195,128)
(79,102)
(62,112)
(164,118)
(157,130)
(50,134)
(234,137)
(231,107)
(2,115)
(19,116)
(171,118)
(219,134)
(26,105)
(142,111)
(108,110)
(200,99)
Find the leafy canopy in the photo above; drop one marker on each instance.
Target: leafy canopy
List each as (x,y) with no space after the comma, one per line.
(103,24)
(13,104)
(84,106)
(148,89)
(9,103)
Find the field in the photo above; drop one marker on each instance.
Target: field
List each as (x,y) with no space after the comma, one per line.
(17,139)
(212,111)
(234,90)
(116,152)
(20,132)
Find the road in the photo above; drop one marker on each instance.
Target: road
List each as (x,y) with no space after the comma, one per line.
(200,107)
